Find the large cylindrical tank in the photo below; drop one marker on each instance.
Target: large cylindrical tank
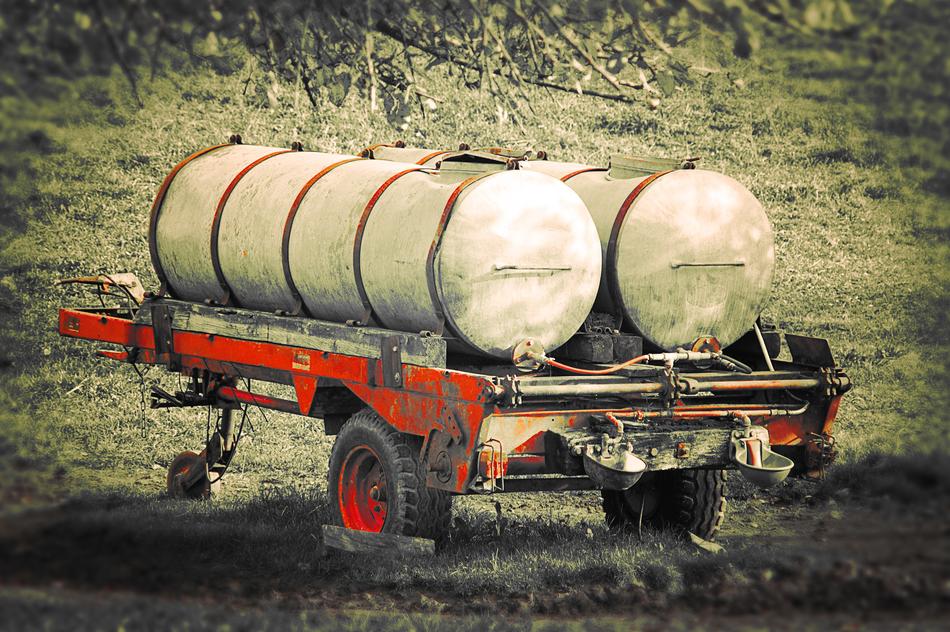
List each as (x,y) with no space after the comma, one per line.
(687,252)
(490,259)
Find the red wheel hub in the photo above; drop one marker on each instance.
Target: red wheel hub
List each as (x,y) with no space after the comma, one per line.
(362,490)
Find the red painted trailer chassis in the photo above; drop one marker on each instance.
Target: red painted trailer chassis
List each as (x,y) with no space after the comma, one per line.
(469,427)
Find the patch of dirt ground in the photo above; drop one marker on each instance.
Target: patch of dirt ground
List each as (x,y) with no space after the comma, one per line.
(804,562)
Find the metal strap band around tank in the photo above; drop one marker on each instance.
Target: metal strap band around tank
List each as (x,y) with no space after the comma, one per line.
(429,157)
(580,171)
(613,282)
(216,224)
(289,224)
(434,249)
(358,244)
(156,209)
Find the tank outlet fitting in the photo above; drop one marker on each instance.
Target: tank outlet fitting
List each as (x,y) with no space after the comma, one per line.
(529,355)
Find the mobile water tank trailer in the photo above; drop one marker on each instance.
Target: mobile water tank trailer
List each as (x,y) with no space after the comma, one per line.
(439,322)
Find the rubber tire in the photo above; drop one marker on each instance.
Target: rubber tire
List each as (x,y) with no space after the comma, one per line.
(413,508)
(686,501)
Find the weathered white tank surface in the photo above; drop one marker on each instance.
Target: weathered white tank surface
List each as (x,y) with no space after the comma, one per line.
(490,258)
(687,252)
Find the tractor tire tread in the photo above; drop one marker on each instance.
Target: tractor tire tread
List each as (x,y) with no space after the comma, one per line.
(689,501)
(424,512)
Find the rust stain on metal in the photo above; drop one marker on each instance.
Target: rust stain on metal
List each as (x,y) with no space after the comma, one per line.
(301,361)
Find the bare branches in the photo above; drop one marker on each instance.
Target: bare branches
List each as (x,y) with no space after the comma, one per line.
(567,34)
(391,31)
(117,52)
(609,49)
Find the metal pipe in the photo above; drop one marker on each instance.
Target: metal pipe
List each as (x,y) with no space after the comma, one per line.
(548,484)
(616,422)
(227,429)
(627,412)
(721,406)
(757,385)
(570,390)
(636,388)
(724,411)
(230,393)
(765,351)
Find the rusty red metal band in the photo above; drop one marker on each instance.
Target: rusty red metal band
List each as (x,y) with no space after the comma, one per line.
(613,282)
(358,241)
(434,248)
(225,299)
(580,171)
(289,224)
(429,157)
(156,209)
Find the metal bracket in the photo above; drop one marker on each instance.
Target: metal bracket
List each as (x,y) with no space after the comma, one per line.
(297,310)
(820,452)
(492,465)
(512,390)
(164,339)
(810,351)
(834,382)
(391,356)
(451,425)
(671,385)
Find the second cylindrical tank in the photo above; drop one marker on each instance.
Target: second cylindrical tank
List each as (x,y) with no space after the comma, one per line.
(687,252)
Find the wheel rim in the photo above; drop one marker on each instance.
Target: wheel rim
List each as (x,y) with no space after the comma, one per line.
(181,464)
(184,467)
(362,490)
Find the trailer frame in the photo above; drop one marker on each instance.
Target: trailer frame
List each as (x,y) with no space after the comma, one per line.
(476,428)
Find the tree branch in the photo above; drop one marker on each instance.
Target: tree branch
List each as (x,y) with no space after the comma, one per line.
(117,52)
(394,33)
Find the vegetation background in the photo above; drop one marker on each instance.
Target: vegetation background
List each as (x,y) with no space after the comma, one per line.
(833,113)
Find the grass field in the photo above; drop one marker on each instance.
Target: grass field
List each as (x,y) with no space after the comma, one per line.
(850,163)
